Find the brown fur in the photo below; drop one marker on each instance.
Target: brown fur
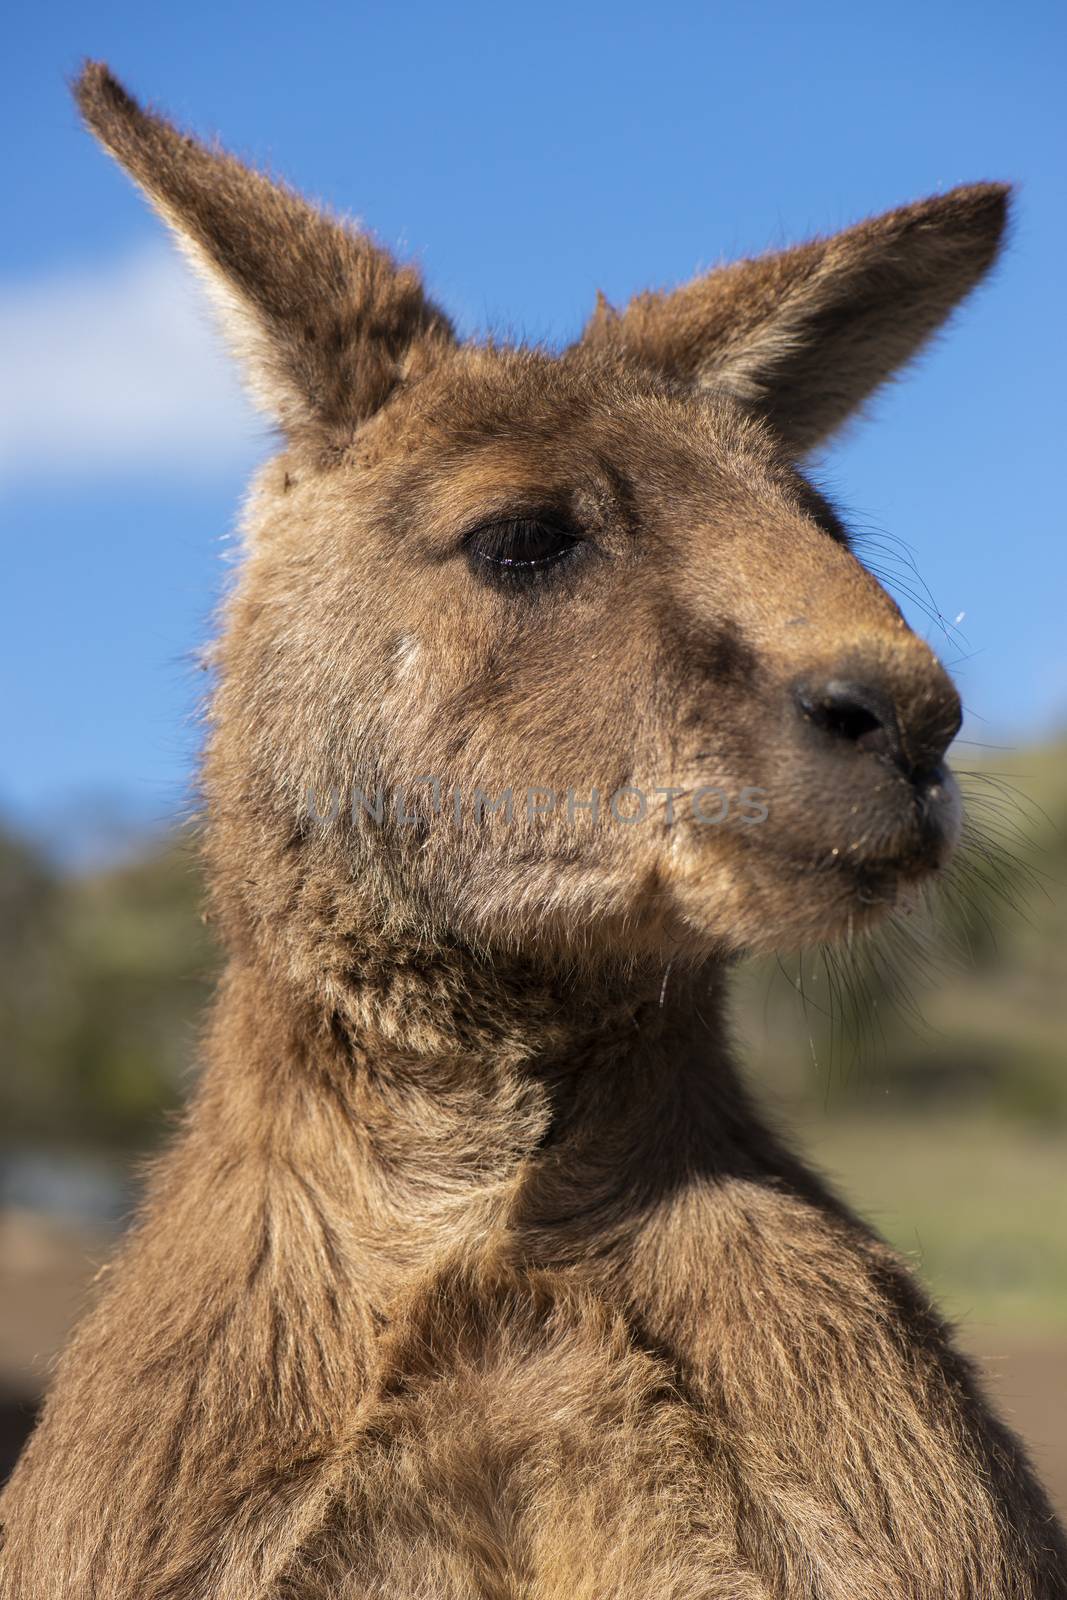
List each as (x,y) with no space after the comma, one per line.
(474,1273)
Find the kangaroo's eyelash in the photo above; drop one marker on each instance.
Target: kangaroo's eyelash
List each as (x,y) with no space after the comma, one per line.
(517,547)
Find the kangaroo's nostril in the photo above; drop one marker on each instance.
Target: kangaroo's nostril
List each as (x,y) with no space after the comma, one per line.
(854,713)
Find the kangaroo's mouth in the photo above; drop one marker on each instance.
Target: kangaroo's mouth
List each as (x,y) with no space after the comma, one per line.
(836,860)
(888,851)
(915,844)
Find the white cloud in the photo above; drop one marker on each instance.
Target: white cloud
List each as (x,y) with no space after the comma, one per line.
(118,368)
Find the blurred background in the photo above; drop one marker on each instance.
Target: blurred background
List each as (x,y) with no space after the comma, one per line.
(525,159)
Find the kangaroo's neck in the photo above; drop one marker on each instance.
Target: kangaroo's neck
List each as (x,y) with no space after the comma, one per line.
(440,1101)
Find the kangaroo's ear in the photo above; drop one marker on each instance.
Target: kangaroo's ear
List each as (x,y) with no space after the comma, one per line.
(808,334)
(323,320)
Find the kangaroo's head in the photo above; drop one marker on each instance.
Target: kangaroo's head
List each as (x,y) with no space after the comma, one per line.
(564,650)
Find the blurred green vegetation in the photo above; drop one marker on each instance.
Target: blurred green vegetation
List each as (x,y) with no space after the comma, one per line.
(927,1070)
(103,979)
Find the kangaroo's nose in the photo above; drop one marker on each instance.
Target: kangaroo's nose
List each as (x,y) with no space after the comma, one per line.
(913,730)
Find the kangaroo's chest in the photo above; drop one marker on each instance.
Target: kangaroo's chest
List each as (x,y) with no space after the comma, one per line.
(525,1442)
(515,1459)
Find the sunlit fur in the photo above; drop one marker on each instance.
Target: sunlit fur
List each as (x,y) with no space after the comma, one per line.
(473,1271)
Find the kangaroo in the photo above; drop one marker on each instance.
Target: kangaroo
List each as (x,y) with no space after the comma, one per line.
(474,1273)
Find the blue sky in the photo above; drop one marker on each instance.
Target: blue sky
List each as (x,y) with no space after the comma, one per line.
(524,157)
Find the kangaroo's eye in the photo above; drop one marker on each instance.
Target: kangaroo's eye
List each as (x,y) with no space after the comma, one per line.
(520,544)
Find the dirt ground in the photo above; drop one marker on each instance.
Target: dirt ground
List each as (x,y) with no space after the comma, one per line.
(1027,1380)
